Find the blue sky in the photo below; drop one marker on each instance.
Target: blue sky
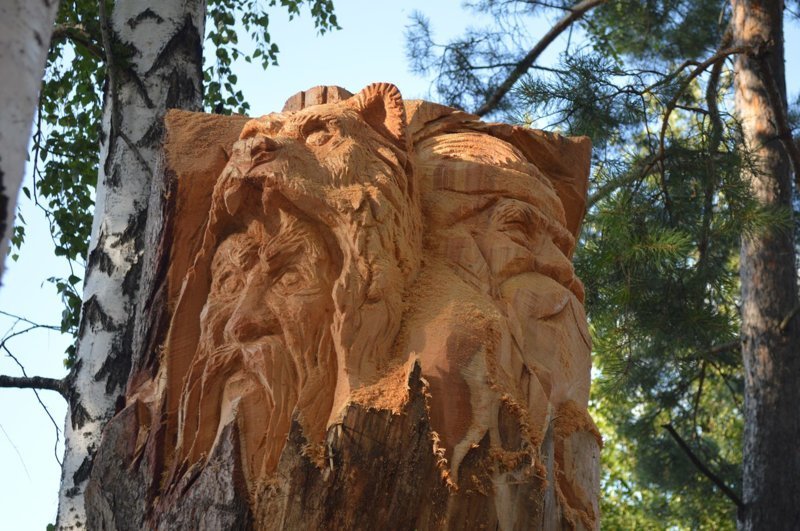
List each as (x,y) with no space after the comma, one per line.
(369,48)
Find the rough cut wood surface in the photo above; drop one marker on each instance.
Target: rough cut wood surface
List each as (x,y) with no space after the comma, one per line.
(369,320)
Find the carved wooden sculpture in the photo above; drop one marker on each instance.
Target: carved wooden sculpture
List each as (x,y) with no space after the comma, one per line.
(371,322)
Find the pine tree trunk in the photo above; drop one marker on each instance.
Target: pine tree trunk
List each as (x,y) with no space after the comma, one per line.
(154,55)
(25,29)
(769,279)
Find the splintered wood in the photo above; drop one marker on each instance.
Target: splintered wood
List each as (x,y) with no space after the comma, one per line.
(372,322)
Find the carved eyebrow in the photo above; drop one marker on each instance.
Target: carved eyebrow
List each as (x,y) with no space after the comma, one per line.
(265,125)
(507,214)
(511,212)
(313,123)
(282,249)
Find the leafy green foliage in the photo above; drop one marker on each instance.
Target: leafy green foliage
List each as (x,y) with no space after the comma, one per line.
(67,133)
(65,148)
(225,19)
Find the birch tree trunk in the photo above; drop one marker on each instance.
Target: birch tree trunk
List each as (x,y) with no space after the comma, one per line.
(25,29)
(154,59)
(769,279)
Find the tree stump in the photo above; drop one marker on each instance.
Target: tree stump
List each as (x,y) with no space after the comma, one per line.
(359,313)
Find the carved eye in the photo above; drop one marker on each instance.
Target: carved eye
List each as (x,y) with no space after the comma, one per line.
(317,133)
(228,282)
(290,278)
(516,224)
(318,138)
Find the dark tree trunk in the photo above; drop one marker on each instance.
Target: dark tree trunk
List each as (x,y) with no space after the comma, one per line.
(768,276)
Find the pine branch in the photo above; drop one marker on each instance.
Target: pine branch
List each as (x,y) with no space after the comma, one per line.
(34,382)
(703,468)
(658,158)
(526,62)
(719,56)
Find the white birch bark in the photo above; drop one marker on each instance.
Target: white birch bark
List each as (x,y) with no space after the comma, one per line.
(25,29)
(163,69)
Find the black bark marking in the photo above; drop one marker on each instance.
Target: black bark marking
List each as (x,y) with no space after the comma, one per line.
(96,317)
(82,474)
(128,76)
(99,259)
(113,179)
(147,14)
(77,413)
(179,88)
(134,231)
(117,365)
(154,133)
(186,40)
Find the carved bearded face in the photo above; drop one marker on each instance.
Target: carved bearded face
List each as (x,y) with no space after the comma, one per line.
(502,301)
(305,258)
(265,346)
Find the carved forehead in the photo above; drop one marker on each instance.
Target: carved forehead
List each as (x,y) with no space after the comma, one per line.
(274,123)
(293,235)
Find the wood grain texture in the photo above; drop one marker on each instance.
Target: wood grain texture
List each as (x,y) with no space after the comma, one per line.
(373,322)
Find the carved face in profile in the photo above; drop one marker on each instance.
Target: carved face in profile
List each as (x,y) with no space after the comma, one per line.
(502,306)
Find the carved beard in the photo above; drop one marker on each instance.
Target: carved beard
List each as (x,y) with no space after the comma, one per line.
(260,385)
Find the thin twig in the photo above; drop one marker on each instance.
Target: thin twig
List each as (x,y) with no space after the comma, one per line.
(703,468)
(730,345)
(14,446)
(526,62)
(788,319)
(39,399)
(28,321)
(713,146)
(735,395)
(698,396)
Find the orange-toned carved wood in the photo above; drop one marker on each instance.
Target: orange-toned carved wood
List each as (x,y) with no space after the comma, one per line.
(371,269)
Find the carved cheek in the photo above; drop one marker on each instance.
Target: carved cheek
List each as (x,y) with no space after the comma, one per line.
(303,312)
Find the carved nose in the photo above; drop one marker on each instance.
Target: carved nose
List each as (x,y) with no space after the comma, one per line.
(250,324)
(253,151)
(262,144)
(252,319)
